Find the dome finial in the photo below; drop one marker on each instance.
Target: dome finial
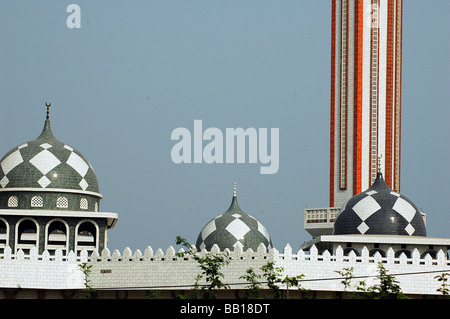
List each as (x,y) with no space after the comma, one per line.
(379,162)
(234,191)
(48,109)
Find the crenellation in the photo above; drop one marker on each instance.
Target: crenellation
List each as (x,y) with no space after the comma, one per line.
(105,253)
(166,271)
(148,252)
(170,252)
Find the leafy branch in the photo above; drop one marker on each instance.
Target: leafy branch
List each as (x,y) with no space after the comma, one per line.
(86,269)
(211,265)
(444,287)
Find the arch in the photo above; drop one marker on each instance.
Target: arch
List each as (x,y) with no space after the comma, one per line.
(86,235)
(56,235)
(37,201)
(380,251)
(62,202)
(84,204)
(13,201)
(405,251)
(348,250)
(4,234)
(27,234)
(431,252)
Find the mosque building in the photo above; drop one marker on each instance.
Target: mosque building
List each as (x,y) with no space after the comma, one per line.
(49,198)
(51,223)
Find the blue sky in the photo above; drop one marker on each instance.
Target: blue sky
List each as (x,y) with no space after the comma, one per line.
(136,70)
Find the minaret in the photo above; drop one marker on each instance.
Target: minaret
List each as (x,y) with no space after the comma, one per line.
(366,55)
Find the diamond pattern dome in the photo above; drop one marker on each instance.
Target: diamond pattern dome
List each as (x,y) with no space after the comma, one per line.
(47,163)
(379,211)
(234,227)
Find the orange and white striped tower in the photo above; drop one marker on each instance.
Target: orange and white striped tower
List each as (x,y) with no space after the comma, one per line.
(366,56)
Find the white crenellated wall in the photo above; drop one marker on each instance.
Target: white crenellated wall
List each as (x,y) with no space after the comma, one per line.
(35,271)
(165,270)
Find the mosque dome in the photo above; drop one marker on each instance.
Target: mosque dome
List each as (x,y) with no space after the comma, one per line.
(46,173)
(379,211)
(234,227)
(47,163)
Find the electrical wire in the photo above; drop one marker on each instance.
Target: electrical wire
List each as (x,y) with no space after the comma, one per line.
(300,281)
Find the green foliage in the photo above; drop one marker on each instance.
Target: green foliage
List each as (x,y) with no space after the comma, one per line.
(444,286)
(88,291)
(347,273)
(273,279)
(210,265)
(254,288)
(272,275)
(387,289)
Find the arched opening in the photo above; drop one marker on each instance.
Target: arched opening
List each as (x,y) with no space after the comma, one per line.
(84,204)
(431,252)
(62,202)
(37,201)
(56,237)
(27,235)
(3,235)
(13,201)
(348,250)
(377,250)
(87,236)
(404,251)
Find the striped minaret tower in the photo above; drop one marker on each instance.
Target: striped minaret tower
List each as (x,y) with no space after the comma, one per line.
(366,55)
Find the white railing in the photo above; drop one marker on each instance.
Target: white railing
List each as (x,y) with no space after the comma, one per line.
(321,215)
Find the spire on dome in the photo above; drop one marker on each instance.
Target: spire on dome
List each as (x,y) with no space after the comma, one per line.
(47,131)
(379,162)
(234,203)
(48,109)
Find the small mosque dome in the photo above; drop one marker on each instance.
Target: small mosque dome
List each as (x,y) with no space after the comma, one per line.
(234,227)
(379,211)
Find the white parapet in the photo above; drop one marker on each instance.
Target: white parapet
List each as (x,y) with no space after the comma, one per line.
(166,270)
(44,271)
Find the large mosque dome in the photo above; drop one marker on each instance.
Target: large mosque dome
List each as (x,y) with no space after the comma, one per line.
(46,170)
(47,163)
(49,199)
(379,211)
(234,227)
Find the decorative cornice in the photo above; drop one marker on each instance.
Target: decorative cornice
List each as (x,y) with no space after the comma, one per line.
(56,190)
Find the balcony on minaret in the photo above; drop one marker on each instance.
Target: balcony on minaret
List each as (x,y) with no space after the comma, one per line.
(320,221)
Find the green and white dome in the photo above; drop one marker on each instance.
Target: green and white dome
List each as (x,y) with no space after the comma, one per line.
(47,174)
(232,228)
(46,163)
